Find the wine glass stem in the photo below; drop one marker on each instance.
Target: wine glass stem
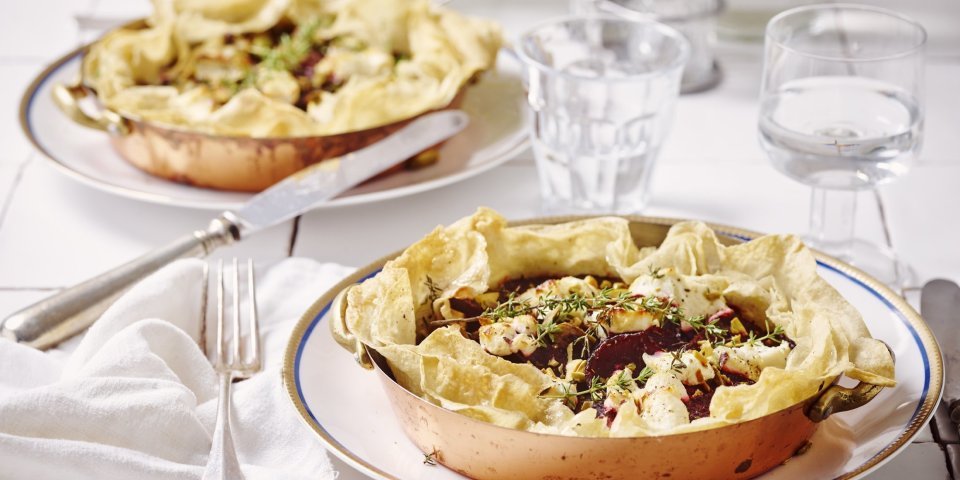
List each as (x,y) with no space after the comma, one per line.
(832,214)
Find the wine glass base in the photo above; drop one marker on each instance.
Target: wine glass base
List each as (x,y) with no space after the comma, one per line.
(879,262)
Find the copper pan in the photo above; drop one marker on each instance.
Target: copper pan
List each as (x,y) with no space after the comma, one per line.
(219,162)
(485,451)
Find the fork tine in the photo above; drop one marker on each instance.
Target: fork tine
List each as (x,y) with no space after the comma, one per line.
(241,356)
(221,360)
(204,303)
(237,358)
(254,321)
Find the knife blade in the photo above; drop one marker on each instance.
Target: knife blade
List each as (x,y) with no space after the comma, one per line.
(70,311)
(324,180)
(940,307)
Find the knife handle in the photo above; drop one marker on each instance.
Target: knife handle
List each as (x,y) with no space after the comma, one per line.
(58,317)
(954,409)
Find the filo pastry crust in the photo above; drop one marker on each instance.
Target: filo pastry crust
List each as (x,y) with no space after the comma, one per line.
(773,277)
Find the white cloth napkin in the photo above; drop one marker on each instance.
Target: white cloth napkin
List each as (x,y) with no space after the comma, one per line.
(136,398)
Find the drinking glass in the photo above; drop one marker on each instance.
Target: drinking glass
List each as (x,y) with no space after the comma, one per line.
(695,19)
(602,91)
(841,111)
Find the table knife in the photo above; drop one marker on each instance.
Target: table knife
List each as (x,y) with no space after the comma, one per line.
(940,307)
(70,311)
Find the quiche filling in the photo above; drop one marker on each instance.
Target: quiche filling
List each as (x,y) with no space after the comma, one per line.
(288,63)
(661,345)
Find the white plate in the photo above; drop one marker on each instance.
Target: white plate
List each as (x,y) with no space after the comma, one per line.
(346,407)
(497,133)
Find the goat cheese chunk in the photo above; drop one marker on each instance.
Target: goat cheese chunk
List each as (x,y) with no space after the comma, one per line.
(560,287)
(665,382)
(748,360)
(692,368)
(623,321)
(662,410)
(618,393)
(696,295)
(506,338)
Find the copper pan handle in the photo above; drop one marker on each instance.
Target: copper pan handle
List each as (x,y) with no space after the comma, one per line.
(67,98)
(343,335)
(836,399)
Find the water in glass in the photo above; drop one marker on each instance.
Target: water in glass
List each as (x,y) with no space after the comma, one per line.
(841,132)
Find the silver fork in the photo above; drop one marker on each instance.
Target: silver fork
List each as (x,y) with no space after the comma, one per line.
(239,363)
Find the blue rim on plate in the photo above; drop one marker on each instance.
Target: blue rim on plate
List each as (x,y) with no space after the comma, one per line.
(920,333)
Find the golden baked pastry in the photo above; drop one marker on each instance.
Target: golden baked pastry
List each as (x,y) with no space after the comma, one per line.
(572,329)
(288,68)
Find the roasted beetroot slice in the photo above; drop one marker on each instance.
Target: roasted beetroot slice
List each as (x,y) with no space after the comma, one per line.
(698,406)
(617,351)
(467,306)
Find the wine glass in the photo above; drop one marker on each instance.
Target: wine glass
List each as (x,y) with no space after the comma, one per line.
(841,111)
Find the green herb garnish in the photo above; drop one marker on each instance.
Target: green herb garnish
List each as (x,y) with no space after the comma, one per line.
(291,50)
(599,388)
(546,331)
(776,335)
(431,458)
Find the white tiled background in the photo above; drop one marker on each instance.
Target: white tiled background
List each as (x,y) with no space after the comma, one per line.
(55,232)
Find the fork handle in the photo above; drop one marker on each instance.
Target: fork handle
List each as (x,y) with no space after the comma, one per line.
(58,317)
(222,463)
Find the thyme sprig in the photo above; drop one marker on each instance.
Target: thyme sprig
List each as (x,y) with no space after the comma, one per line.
(546,331)
(599,388)
(435,290)
(430,459)
(676,363)
(645,373)
(711,331)
(593,332)
(618,298)
(776,335)
(655,272)
(290,51)
(563,307)
(551,311)
(508,309)
(287,55)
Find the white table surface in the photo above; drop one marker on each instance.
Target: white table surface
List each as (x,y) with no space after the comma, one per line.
(55,232)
